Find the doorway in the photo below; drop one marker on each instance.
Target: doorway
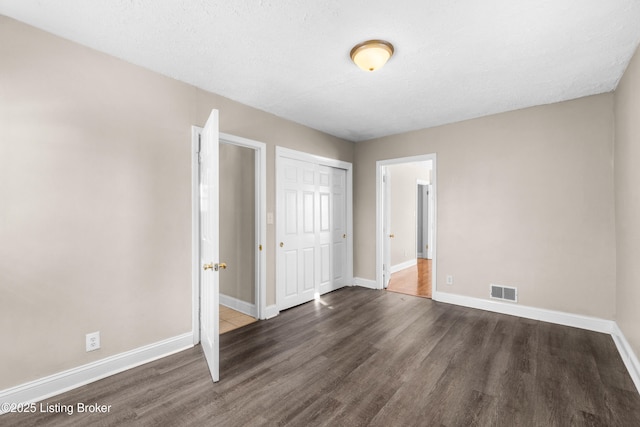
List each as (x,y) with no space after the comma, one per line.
(406,225)
(246,261)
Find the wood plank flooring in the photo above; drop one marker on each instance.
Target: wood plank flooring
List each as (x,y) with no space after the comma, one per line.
(361,357)
(415,280)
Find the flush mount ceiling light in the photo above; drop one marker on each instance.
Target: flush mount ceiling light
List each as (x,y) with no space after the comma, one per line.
(372,54)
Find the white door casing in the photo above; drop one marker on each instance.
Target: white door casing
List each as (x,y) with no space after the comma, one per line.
(209,246)
(425,221)
(260,225)
(430,222)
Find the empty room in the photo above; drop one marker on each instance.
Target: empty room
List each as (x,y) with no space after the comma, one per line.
(214,213)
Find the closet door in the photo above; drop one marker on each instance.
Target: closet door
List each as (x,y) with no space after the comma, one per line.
(312,231)
(325,235)
(298,226)
(339,233)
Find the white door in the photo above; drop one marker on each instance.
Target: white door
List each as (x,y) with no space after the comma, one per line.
(387,235)
(339,199)
(209,250)
(325,225)
(430,221)
(297,223)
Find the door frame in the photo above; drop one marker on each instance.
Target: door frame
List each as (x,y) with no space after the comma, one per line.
(381,215)
(260,149)
(282,152)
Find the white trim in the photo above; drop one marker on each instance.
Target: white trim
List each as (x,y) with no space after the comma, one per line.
(404,265)
(307,157)
(380,164)
(627,354)
(62,382)
(271,311)
(365,283)
(558,317)
(238,305)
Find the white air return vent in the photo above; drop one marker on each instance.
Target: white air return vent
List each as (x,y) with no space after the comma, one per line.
(505,293)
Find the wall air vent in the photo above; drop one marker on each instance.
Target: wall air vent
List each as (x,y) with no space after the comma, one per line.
(505,293)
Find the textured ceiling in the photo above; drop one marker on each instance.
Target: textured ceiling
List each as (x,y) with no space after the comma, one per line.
(454,60)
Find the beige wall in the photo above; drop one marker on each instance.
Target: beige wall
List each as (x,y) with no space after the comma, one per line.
(237,222)
(95,199)
(627,180)
(404,194)
(524,199)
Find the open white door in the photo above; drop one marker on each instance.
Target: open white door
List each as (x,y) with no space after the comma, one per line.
(209,250)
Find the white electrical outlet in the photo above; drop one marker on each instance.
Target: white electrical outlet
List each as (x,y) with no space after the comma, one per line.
(449,280)
(93,341)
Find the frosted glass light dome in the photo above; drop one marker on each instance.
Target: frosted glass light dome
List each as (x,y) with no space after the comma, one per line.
(372,54)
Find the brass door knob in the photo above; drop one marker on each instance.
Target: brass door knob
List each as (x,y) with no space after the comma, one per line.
(208,266)
(221,266)
(392,235)
(282,244)
(344,236)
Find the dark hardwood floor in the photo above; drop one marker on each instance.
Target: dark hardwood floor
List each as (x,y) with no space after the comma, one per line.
(363,357)
(414,280)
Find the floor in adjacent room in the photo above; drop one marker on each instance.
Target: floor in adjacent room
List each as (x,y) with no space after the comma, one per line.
(362,357)
(415,280)
(231,319)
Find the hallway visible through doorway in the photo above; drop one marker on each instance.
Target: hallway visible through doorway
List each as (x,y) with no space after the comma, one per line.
(414,280)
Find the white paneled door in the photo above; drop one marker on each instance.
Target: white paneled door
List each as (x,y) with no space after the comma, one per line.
(339,233)
(298,226)
(312,255)
(209,247)
(325,226)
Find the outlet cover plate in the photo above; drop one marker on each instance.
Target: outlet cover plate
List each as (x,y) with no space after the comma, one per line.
(93,341)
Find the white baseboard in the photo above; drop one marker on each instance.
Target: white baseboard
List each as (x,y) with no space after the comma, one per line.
(365,283)
(629,357)
(271,311)
(61,382)
(404,265)
(238,305)
(551,316)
